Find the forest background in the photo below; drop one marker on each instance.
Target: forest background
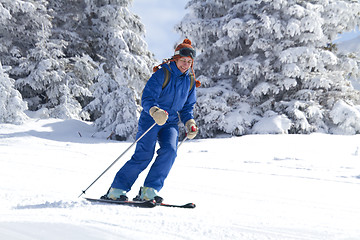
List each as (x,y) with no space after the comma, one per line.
(265,66)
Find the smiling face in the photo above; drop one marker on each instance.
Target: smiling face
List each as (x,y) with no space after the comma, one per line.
(184,63)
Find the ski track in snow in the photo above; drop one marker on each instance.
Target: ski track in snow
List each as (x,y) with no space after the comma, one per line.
(272,187)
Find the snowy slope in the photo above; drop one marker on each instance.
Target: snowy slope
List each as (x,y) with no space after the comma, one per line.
(252,187)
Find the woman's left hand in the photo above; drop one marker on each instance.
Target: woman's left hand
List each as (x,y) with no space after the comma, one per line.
(191,129)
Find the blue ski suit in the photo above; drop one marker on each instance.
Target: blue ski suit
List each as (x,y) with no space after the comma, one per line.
(178,100)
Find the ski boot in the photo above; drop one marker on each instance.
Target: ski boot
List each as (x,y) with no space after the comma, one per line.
(148,193)
(116,195)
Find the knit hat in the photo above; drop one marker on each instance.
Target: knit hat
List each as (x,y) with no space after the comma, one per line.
(185,49)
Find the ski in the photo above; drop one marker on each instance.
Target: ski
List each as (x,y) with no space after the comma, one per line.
(188,205)
(140,204)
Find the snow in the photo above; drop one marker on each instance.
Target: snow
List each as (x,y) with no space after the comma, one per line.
(251,187)
(272,123)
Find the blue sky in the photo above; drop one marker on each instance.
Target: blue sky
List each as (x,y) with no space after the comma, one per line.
(160,17)
(348,36)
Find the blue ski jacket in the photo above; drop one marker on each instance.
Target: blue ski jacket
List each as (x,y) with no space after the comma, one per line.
(176,98)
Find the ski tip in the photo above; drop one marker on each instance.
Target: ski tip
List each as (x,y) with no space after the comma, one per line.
(190,205)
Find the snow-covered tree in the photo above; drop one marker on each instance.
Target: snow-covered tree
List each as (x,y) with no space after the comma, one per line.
(56,48)
(349,53)
(37,59)
(20,25)
(70,24)
(271,61)
(44,84)
(11,104)
(116,111)
(117,38)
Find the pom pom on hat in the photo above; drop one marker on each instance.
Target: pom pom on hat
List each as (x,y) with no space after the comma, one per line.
(187,41)
(185,44)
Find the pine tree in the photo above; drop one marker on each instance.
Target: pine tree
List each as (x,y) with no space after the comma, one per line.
(117,38)
(21,22)
(45,83)
(349,54)
(271,61)
(70,24)
(11,104)
(19,25)
(37,60)
(75,58)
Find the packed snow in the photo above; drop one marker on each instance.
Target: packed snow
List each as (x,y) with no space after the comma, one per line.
(250,187)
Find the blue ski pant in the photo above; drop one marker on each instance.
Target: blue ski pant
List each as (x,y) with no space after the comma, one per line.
(167,136)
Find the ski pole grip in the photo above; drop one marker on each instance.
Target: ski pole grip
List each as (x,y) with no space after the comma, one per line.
(193,128)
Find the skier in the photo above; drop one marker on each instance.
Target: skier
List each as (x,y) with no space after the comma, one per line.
(168,94)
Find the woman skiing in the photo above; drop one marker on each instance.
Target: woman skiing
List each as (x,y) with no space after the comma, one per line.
(170,93)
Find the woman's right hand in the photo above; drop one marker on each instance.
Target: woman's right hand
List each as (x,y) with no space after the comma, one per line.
(159,115)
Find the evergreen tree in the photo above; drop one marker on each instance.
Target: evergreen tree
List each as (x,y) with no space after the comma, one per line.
(272,61)
(117,39)
(71,25)
(45,83)
(349,53)
(37,60)
(56,48)
(55,79)
(11,104)
(21,23)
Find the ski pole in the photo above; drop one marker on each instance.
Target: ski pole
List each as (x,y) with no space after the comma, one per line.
(182,142)
(186,137)
(84,191)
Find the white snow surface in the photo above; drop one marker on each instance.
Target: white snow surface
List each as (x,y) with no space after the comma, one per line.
(252,187)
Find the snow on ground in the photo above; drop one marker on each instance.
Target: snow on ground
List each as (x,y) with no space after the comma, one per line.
(252,187)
